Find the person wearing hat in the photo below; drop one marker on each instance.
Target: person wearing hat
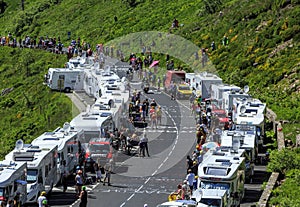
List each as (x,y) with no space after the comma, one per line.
(83,197)
(190,179)
(78,182)
(41,198)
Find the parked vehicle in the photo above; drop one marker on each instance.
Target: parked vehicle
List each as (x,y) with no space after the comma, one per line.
(183,91)
(67,140)
(98,150)
(173,77)
(13,181)
(41,172)
(63,79)
(223,172)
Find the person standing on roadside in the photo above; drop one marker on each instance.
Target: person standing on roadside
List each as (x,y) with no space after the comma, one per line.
(158,115)
(108,171)
(190,179)
(78,182)
(41,198)
(83,197)
(144,140)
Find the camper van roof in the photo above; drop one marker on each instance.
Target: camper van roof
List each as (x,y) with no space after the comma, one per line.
(58,137)
(7,169)
(88,121)
(33,155)
(221,167)
(247,140)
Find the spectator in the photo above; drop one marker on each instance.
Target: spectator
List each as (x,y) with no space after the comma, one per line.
(41,198)
(159,115)
(190,179)
(108,171)
(144,140)
(153,117)
(78,182)
(83,197)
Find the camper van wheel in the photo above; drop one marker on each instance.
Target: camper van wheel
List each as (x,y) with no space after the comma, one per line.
(67,90)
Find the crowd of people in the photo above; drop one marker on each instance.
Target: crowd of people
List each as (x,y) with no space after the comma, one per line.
(186,187)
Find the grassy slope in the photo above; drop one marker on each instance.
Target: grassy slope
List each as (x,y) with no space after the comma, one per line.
(263,50)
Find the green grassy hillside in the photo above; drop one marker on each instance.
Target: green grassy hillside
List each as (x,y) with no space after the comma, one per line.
(262,51)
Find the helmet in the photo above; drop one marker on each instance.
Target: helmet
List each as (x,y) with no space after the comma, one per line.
(44,202)
(43,193)
(83,188)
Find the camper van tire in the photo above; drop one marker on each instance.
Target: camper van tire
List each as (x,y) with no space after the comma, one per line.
(67,90)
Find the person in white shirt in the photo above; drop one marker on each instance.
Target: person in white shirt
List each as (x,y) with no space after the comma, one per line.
(41,198)
(190,179)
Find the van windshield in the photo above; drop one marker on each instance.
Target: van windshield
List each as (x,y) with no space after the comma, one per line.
(211,202)
(211,185)
(31,176)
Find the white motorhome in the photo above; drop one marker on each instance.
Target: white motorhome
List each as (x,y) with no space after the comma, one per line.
(63,79)
(229,99)
(41,168)
(218,171)
(13,181)
(243,145)
(94,78)
(93,124)
(251,112)
(204,81)
(67,141)
(218,89)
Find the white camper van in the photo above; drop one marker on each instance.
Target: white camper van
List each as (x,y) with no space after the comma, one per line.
(229,98)
(13,181)
(223,173)
(67,141)
(41,168)
(204,81)
(218,89)
(251,112)
(63,79)
(93,124)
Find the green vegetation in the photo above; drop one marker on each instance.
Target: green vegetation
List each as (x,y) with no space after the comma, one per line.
(263,52)
(28,108)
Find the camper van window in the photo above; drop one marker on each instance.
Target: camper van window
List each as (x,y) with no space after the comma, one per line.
(211,185)
(61,77)
(1,194)
(31,175)
(15,186)
(40,178)
(46,170)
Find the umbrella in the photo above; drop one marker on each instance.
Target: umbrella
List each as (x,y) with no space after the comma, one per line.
(210,145)
(155,62)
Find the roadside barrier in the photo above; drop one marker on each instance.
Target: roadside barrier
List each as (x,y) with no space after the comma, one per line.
(277,127)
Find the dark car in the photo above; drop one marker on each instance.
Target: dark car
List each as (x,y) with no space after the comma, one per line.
(98,150)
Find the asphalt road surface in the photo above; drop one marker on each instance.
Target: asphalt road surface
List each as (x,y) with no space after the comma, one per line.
(137,180)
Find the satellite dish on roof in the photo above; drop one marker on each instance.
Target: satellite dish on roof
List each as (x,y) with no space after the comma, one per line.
(246,88)
(66,126)
(19,144)
(243,109)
